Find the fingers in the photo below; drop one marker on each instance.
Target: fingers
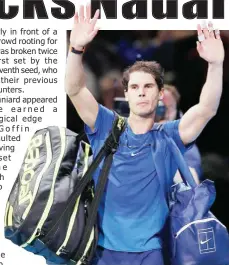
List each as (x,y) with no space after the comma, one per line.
(76,18)
(211,30)
(81,13)
(88,13)
(79,16)
(205,29)
(201,36)
(217,34)
(206,32)
(198,46)
(82,16)
(95,18)
(199,30)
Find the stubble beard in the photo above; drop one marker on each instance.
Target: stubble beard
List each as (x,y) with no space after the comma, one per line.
(146,114)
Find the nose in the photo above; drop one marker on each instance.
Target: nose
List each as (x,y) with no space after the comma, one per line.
(141,92)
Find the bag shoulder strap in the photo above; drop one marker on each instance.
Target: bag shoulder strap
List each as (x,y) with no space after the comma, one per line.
(185,173)
(110,146)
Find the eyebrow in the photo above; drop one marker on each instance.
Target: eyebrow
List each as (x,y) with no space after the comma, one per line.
(150,84)
(147,84)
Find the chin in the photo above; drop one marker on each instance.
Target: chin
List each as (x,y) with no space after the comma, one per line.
(145,114)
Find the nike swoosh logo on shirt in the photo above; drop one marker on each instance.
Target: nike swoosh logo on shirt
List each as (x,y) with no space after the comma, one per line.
(204,242)
(134,154)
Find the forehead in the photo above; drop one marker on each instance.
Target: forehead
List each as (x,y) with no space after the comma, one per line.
(141,78)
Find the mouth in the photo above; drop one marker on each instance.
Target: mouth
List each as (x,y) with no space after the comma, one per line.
(142,103)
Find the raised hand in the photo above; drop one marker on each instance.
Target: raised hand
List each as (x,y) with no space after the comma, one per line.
(210,46)
(84,29)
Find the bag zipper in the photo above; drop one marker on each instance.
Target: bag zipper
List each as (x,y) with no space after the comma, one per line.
(70,227)
(75,210)
(38,229)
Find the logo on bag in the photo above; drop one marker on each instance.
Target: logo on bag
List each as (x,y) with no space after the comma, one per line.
(121,122)
(31,160)
(206,238)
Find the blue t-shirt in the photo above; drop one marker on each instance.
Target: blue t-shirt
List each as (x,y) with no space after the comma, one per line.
(133,209)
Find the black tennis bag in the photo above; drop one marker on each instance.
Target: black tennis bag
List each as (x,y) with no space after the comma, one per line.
(52,207)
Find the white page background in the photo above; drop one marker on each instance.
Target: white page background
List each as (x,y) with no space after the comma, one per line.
(14,254)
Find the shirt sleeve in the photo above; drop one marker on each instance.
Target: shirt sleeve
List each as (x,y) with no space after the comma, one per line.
(171,128)
(103,125)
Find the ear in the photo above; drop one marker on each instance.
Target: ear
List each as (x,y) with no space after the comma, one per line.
(161,94)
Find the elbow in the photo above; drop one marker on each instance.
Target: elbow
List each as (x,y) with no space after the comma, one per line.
(68,88)
(209,116)
(208,113)
(73,88)
(212,113)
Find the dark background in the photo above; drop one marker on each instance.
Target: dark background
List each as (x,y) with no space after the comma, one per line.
(111,51)
(179,58)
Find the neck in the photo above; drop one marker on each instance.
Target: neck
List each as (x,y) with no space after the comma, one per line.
(140,125)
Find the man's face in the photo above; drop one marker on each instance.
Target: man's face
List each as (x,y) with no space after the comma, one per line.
(142,94)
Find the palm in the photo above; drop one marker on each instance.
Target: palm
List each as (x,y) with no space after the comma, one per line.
(84,28)
(211,48)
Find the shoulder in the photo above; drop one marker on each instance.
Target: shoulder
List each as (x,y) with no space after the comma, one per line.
(104,121)
(171,128)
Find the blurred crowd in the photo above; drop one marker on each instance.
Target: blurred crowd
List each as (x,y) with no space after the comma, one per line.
(112,51)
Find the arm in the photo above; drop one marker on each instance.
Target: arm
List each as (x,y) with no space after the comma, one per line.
(83,32)
(197,117)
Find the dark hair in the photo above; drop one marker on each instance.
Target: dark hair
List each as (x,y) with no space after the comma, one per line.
(150,67)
